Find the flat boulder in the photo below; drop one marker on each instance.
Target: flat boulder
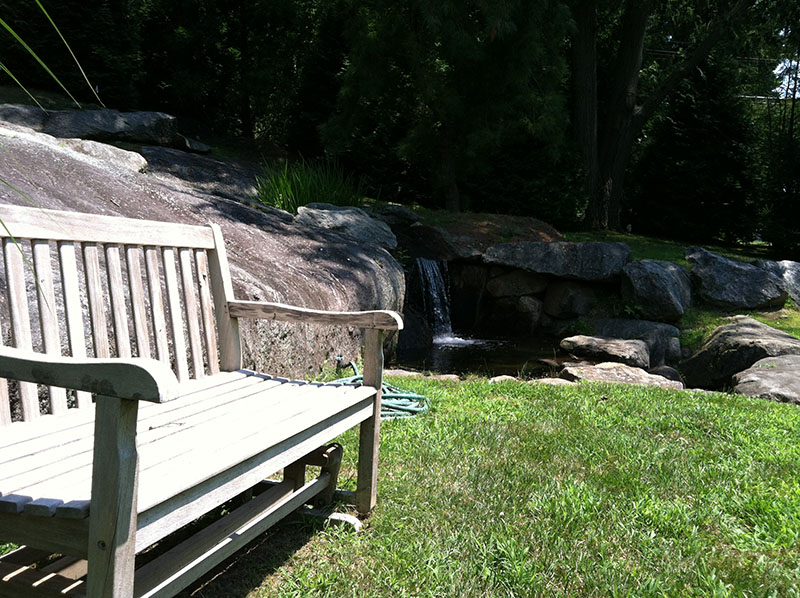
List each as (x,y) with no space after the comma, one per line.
(617,373)
(659,290)
(786,270)
(630,352)
(592,261)
(105,124)
(733,348)
(774,378)
(349,221)
(732,284)
(663,340)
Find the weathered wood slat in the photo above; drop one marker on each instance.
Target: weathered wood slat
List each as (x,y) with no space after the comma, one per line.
(27,223)
(152,260)
(117,295)
(383,320)
(192,314)
(138,305)
(48,317)
(230,349)
(369,432)
(176,511)
(68,478)
(175,313)
(63,536)
(97,308)
(206,310)
(20,322)
(73,311)
(5,402)
(112,526)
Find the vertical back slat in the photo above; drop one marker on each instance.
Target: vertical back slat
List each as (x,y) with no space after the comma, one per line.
(192,316)
(174,302)
(152,258)
(20,320)
(138,306)
(5,403)
(73,312)
(230,348)
(48,318)
(209,333)
(94,291)
(117,295)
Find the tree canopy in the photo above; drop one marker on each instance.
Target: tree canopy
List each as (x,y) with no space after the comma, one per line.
(594,113)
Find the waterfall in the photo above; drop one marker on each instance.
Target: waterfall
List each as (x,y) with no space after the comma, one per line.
(435,296)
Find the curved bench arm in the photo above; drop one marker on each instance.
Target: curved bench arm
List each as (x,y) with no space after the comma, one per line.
(136,378)
(378,319)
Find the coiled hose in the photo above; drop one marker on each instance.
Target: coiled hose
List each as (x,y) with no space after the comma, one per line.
(395,402)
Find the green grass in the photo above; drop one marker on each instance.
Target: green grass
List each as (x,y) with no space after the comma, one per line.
(662,249)
(523,490)
(289,185)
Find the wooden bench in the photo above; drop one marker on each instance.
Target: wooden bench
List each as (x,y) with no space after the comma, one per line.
(149,422)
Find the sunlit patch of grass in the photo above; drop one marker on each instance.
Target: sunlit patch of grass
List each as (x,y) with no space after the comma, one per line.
(516,489)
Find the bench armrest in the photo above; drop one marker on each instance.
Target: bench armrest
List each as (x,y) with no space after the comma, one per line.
(136,378)
(379,319)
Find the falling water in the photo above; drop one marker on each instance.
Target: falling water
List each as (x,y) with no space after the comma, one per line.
(435,296)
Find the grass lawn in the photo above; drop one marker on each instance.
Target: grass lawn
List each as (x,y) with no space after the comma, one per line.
(525,490)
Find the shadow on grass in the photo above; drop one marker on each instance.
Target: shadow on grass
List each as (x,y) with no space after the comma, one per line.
(252,566)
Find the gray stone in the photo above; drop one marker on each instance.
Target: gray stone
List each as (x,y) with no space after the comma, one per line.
(31,117)
(155,128)
(630,352)
(731,284)
(225,177)
(516,283)
(733,348)
(567,299)
(774,378)
(661,291)
(663,340)
(788,271)
(350,221)
(616,373)
(499,379)
(667,372)
(592,261)
(395,215)
(270,260)
(530,310)
(553,382)
(193,145)
(108,153)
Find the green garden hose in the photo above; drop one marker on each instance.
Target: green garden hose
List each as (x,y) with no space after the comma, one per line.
(395,402)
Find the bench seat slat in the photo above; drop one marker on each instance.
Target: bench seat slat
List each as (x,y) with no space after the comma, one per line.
(70,479)
(171,445)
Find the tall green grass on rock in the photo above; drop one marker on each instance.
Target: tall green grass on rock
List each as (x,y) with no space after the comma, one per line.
(289,185)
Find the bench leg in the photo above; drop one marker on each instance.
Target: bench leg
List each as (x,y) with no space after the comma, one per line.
(369,433)
(112,514)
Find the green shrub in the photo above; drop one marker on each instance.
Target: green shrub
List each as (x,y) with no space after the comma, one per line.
(288,186)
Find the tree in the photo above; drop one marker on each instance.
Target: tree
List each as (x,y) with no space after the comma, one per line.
(436,84)
(610,112)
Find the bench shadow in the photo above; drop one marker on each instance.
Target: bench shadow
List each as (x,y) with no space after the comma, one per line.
(251,567)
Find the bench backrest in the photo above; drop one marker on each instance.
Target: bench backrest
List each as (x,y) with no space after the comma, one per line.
(104,286)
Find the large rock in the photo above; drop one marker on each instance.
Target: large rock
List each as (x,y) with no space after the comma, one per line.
(234,179)
(350,221)
(630,352)
(774,378)
(663,340)
(661,291)
(515,283)
(733,348)
(788,271)
(616,372)
(731,284)
(270,259)
(155,128)
(578,261)
(31,117)
(565,299)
